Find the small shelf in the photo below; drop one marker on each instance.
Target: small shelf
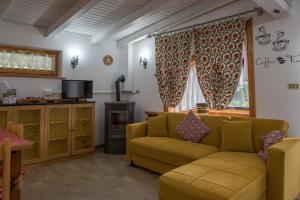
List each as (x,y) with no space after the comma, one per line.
(80,120)
(57,122)
(34,142)
(57,139)
(31,124)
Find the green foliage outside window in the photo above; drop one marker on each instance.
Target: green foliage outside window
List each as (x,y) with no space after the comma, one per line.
(241,97)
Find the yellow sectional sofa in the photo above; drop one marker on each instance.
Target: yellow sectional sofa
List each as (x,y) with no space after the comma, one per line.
(200,171)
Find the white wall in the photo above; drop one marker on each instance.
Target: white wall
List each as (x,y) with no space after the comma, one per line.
(273,98)
(90,65)
(144,80)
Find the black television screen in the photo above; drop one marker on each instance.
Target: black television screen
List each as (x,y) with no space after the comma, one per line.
(76,89)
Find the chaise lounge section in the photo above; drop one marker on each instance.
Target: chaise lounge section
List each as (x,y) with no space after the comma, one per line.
(200,171)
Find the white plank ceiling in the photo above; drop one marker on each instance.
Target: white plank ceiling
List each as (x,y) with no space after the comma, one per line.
(40,13)
(104,15)
(156,17)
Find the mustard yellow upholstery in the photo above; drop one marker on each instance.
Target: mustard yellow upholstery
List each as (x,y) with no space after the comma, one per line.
(262,197)
(134,131)
(173,120)
(157,126)
(169,150)
(223,175)
(213,138)
(237,136)
(152,164)
(263,126)
(200,172)
(283,167)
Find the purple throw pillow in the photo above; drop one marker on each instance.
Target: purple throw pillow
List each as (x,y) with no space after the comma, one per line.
(267,141)
(192,128)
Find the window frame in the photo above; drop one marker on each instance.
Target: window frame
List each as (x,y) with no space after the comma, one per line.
(56,73)
(251,73)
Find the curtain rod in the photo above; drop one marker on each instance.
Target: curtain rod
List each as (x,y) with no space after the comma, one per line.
(258,10)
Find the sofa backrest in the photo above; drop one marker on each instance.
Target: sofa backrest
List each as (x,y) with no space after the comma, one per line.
(261,127)
(214,138)
(213,122)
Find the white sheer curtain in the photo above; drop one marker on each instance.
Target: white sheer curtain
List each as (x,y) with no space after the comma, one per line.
(192,94)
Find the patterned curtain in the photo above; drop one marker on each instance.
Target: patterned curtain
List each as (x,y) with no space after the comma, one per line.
(218,50)
(172,66)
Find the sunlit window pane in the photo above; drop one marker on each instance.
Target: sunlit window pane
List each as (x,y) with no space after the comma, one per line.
(20,60)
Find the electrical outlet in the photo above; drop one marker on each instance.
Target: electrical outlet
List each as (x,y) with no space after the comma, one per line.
(293,86)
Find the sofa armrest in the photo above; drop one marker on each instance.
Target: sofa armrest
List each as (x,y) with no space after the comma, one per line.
(283,167)
(134,131)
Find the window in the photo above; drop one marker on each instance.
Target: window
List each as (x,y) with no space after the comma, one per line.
(244,98)
(193,94)
(16,61)
(241,97)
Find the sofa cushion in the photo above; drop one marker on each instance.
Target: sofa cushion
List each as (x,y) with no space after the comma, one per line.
(214,123)
(237,136)
(267,141)
(157,126)
(262,127)
(170,150)
(220,176)
(192,128)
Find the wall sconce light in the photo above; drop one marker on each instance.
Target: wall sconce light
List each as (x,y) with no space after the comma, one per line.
(143,62)
(74,62)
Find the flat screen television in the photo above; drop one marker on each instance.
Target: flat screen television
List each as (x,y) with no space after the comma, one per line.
(77,89)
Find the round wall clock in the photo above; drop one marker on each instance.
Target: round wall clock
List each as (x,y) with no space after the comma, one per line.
(107,60)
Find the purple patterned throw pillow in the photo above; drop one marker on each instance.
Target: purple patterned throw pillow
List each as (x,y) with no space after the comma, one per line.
(192,128)
(267,141)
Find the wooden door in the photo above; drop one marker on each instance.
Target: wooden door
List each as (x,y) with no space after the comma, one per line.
(32,118)
(83,128)
(5,116)
(58,130)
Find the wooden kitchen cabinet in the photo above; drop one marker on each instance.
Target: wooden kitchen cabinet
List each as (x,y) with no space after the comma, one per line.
(83,128)
(5,116)
(33,120)
(57,130)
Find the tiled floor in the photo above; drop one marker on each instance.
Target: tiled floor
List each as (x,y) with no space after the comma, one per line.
(97,177)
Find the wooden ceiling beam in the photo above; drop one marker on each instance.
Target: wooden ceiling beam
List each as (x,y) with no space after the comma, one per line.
(138,15)
(79,9)
(4,4)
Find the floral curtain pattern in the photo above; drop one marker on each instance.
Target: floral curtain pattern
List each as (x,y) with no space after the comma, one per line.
(218,51)
(173,54)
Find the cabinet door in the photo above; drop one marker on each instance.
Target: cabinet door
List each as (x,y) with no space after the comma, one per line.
(83,128)
(58,131)
(32,118)
(5,116)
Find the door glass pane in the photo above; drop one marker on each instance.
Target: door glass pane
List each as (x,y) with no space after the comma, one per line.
(31,122)
(83,128)
(3,119)
(58,131)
